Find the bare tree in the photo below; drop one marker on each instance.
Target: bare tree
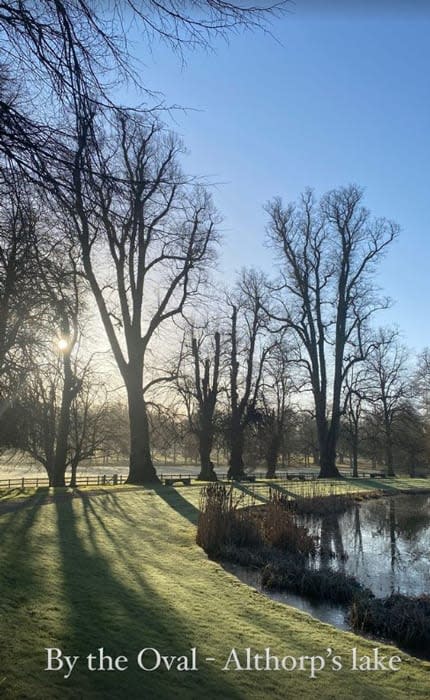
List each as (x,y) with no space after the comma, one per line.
(389,383)
(90,430)
(44,424)
(20,301)
(410,439)
(58,54)
(355,389)
(199,389)
(62,290)
(132,202)
(329,251)
(275,400)
(249,347)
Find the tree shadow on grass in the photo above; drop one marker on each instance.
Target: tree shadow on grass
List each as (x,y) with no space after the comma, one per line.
(21,578)
(116,607)
(249,491)
(372,484)
(181,505)
(41,496)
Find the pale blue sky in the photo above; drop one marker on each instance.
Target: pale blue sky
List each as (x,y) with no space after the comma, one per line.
(339,98)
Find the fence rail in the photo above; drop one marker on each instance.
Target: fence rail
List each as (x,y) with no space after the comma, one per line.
(104,479)
(36,481)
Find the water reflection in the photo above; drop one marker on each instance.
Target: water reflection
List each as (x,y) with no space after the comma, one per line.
(384,543)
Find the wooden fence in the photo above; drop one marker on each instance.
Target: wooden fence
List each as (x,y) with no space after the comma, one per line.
(104,479)
(83,480)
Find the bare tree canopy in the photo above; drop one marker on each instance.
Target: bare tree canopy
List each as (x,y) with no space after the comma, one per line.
(328,251)
(198,385)
(55,54)
(389,384)
(249,348)
(132,202)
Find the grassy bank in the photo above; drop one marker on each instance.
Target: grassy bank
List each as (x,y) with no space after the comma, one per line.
(121,570)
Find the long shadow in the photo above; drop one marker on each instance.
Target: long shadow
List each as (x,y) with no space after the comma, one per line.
(372,484)
(248,491)
(20,581)
(111,503)
(175,500)
(37,499)
(102,606)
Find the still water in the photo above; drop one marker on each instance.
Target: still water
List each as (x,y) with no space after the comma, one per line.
(384,543)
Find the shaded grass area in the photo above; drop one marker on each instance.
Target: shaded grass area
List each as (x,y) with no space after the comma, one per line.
(14,493)
(121,570)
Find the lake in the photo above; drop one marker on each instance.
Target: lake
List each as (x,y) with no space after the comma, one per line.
(384,543)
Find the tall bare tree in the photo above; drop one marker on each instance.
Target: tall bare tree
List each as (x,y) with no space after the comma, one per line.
(199,389)
(132,203)
(19,297)
(389,384)
(249,348)
(276,393)
(328,252)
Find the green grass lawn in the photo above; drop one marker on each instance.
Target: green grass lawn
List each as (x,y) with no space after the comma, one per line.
(120,570)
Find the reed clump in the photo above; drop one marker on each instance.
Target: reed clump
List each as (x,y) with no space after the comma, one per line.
(224,522)
(404,619)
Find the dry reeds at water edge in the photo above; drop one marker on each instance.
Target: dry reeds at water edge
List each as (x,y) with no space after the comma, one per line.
(224,522)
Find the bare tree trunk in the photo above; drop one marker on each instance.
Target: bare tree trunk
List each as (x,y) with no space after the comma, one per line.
(74,468)
(355,457)
(272,455)
(236,465)
(328,469)
(327,449)
(68,394)
(389,461)
(141,469)
(207,472)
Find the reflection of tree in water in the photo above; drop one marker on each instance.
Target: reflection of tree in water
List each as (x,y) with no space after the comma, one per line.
(394,550)
(409,515)
(358,536)
(402,520)
(411,520)
(331,541)
(382,542)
